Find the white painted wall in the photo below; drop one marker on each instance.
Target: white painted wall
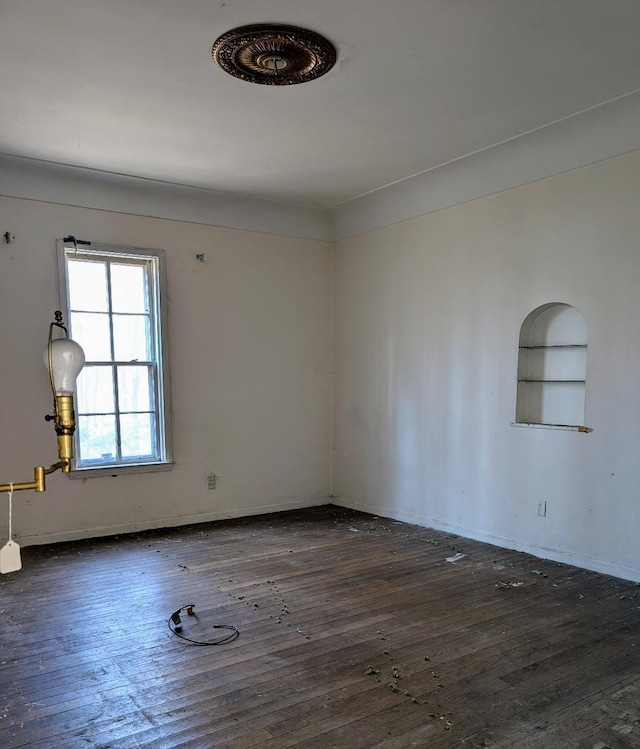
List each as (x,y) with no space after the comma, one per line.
(90,188)
(249,359)
(590,136)
(427,315)
(426,318)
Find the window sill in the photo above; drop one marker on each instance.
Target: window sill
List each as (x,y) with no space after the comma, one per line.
(562,427)
(113,471)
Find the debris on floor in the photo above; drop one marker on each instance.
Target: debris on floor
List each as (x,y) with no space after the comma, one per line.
(456,557)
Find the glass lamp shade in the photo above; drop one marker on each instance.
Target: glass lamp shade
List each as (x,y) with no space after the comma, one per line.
(67,360)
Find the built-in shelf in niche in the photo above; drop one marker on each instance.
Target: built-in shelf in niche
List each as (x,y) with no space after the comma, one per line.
(552,365)
(556,345)
(557,382)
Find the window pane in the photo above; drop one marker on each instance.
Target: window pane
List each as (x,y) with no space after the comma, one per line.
(97,438)
(136,438)
(112,314)
(91,331)
(95,390)
(131,337)
(87,286)
(129,288)
(134,388)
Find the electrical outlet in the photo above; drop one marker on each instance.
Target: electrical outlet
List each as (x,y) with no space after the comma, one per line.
(542,508)
(212,481)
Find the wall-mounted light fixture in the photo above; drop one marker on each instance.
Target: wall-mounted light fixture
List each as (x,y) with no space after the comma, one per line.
(64,358)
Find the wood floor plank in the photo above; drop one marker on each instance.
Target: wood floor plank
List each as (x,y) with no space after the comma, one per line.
(355,632)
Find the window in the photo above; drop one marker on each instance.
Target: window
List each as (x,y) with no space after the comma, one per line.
(114,299)
(552,366)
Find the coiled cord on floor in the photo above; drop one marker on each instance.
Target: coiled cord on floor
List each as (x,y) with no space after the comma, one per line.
(174,623)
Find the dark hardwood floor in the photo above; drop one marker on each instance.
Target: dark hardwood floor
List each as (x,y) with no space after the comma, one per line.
(356,632)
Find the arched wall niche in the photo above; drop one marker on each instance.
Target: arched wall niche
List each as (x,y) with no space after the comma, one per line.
(552,366)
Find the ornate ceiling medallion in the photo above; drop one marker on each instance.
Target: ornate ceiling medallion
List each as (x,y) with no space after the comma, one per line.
(274,54)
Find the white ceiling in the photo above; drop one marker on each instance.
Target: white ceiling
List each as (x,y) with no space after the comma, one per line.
(129,86)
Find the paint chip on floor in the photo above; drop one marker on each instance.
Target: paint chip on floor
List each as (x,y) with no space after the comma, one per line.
(456,557)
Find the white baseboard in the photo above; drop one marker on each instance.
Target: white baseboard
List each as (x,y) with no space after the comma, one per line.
(171,522)
(543,552)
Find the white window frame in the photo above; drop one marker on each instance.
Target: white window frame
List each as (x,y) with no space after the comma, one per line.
(158,304)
